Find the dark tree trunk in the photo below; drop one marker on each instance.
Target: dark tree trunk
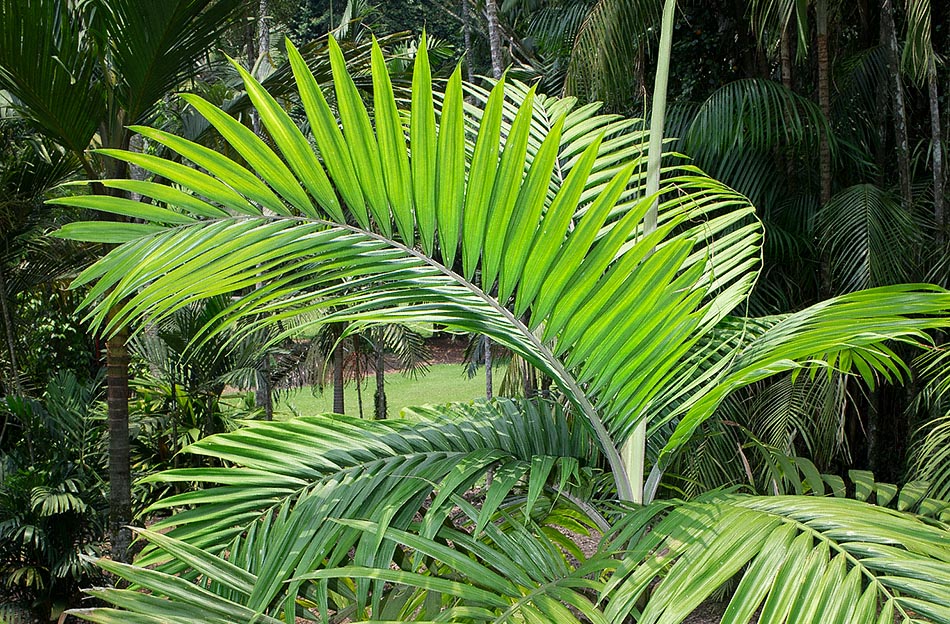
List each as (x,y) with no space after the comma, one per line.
(824,98)
(263,397)
(8,330)
(120,481)
(467,35)
(785,55)
(897,99)
(936,138)
(358,376)
(494,38)
(117,382)
(488,366)
(338,407)
(380,398)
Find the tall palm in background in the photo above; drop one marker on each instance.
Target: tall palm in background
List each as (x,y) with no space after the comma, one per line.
(81,73)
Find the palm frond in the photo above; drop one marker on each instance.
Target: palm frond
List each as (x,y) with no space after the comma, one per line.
(755,113)
(48,64)
(800,559)
(613,32)
(919,52)
(867,236)
(618,312)
(153,48)
(295,474)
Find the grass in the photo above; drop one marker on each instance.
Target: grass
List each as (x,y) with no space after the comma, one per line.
(443,383)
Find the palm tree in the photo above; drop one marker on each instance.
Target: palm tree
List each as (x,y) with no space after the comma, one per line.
(634,325)
(81,73)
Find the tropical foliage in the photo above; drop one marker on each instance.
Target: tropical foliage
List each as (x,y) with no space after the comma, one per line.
(417,215)
(53,508)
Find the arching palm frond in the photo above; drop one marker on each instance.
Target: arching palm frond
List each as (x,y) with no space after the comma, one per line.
(772,19)
(522,222)
(787,416)
(919,52)
(51,60)
(931,456)
(798,559)
(931,408)
(43,55)
(572,267)
(274,511)
(754,113)
(552,222)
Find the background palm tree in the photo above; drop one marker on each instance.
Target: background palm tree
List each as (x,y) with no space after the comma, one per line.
(81,73)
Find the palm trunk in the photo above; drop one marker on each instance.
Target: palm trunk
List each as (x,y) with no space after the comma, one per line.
(338,406)
(120,481)
(264,396)
(488,367)
(785,53)
(117,382)
(634,447)
(263,40)
(824,98)
(467,35)
(380,402)
(358,375)
(8,329)
(897,95)
(936,137)
(494,38)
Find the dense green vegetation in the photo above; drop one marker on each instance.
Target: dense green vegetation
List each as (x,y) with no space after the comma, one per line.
(723,353)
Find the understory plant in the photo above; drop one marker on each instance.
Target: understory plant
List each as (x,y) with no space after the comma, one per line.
(52,494)
(520,217)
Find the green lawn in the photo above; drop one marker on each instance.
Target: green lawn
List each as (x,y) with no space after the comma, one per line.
(442,384)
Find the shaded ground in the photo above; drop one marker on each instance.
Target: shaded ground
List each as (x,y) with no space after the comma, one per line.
(447,349)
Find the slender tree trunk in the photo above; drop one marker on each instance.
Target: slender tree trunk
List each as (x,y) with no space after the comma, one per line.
(380,398)
(264,395)
(467,37)
(338,406)
(358,374)
(494,38)
(8,329)
(120,481)
(488,368)
(936,137)
(263,40)
(257,45)
(117,382)
(633,451)
(897,98)
(824,98)
(785,55)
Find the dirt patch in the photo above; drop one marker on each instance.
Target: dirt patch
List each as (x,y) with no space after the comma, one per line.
(447,349)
